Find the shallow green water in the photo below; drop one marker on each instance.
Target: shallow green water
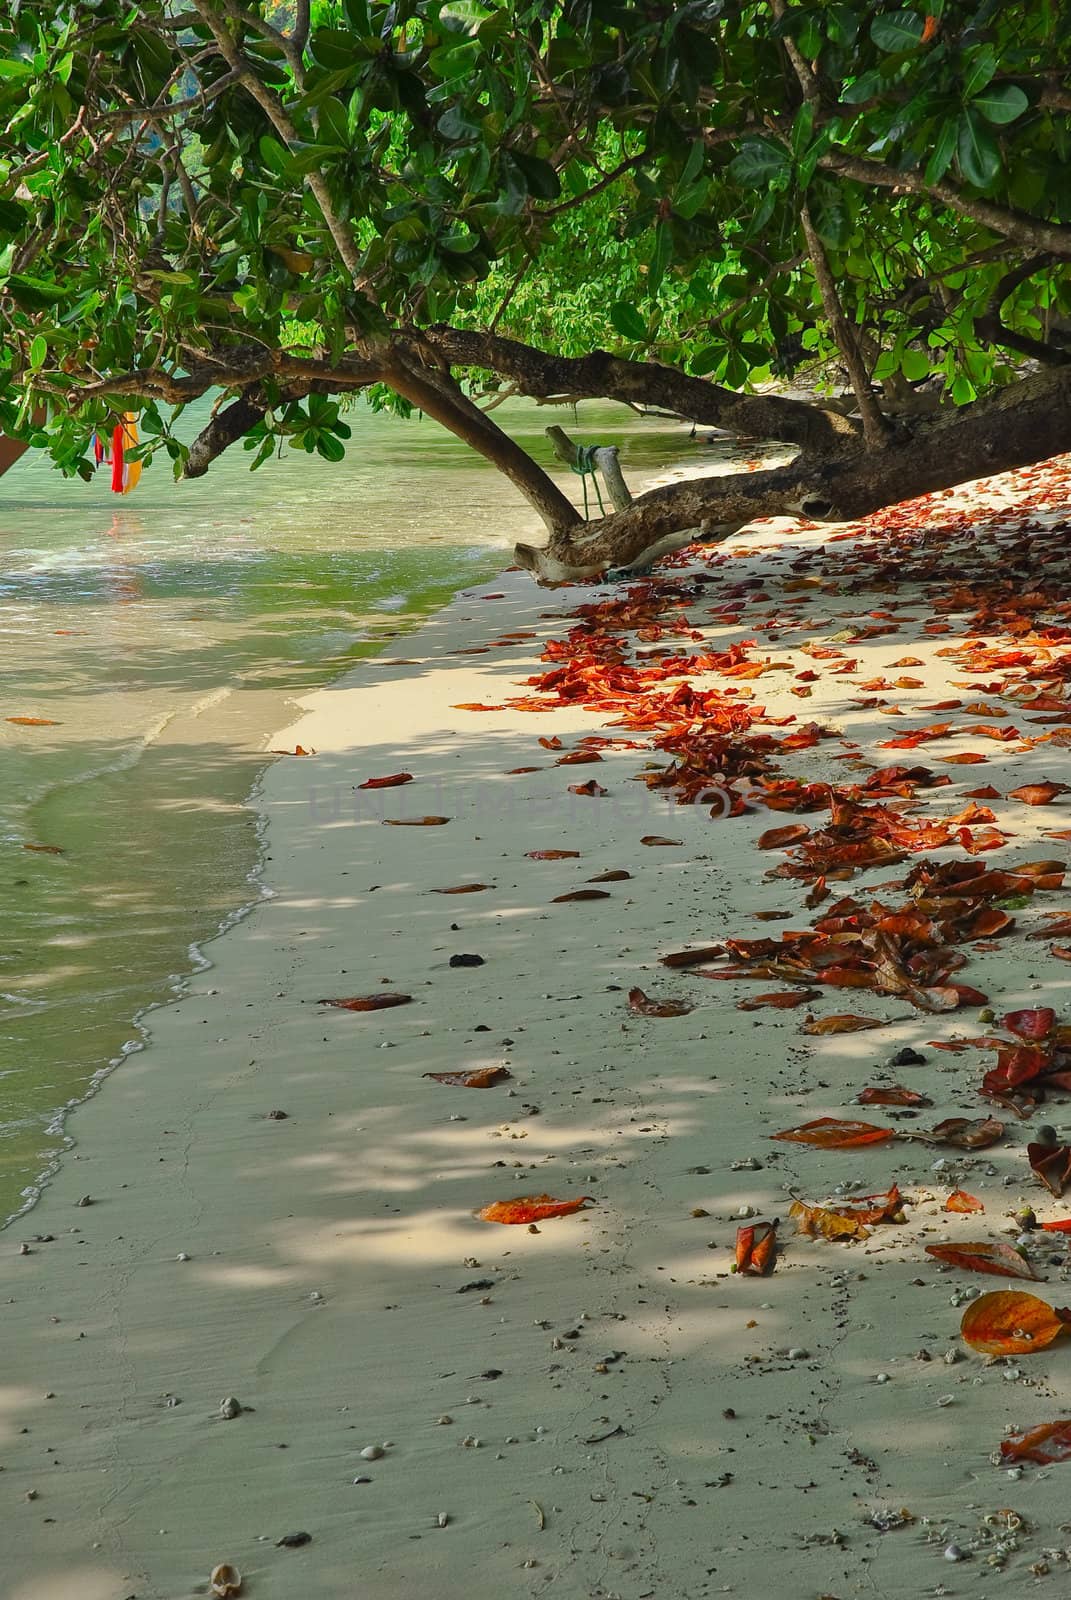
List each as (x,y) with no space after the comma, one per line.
(167,634)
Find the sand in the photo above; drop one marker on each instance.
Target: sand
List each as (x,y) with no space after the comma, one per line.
(596,1409)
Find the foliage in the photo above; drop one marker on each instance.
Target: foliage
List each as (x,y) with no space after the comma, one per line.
(179,195)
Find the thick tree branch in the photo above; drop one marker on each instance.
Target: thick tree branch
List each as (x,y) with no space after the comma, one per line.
(601,375)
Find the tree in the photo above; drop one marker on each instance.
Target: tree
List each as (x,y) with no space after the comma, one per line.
(291,203)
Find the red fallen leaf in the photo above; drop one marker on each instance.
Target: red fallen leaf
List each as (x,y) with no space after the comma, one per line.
(590,788)
(1046,1444)
(1011,1323)
(842,1022)
(820,1222)
(969,758)
(1052,1164)
(298,750)
(611,877)
(987,792)
(1034,1023)
(959,1200)
(1061,1225)
(1061,952)
(552,855)
(578,758)
(1038,794)
(532,1208)
(516,772)
(782,999)
(909,661)
(830,1133)
(35,722)
(693,958)
(581,894)
(656,838)
(463,888)
(475,705)
(478,1078)
(644,1006)
(961,1133)
(369,1002)
(780,838)
(553,743)
(999,1259)
(1058,833)
(414,822)
(387,783)
(756,1248)
(894,1095)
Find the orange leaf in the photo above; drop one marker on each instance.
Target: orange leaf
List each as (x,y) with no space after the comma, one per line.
(1061,1225)
(961,1133)
(387,783)
(1052,1164)
(415,822)
(1011,1323)
(578,758)
(1038,794)
(842,1022)
(1046,1444)
(1000,1259)
(615,876)
(830,1133)
(656,838)
(780,838)
(552,855)
(369,1002)
(960,1200)
(475,705)
(463,888)
(644,1006)
(693,958)
(591,788)
(532,1208)
(817,1222)
(783,999)
(894,1095)
(969,758)
(756,1247)
(553,743)
(478,1078)
(35,722)
(581,894)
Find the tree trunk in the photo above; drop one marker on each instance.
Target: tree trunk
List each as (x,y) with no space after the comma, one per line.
(1029,421)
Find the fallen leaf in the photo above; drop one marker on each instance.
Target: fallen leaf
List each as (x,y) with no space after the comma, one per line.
(695,957)
(591,788)
(1061,1225)
(1035,1023)
(756,1248)
(578,758)
(645,1006)
(831,1133)
(999,1259)
(463,888)
(960,1200)
(616,876)
(818,1222)
(656,838)
(46,849)
(532,1208)
(1038,794)
(369,1002)
(553,743)
(478,1078)
(35,722)
(581,894)
(475,705)
(961,1133)
(893,1095)
(780,838)
(1052,1164)
(414,822)
(782,999)
(1011,1323)
(391,782)
(841,1022)
(1046,1444)
(298,750)
(552,855)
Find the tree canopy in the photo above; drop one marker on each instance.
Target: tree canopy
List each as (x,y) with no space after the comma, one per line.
(666,204)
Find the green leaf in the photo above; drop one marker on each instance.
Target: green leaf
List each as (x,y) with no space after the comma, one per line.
(981,66)
(943,151)
(539,176)
(897,31)
(627,321)
(914,365)
(38,351)
(16,68)
(706,360)
(979,157)
(34,293)
(13,216)
(1001,102)
(758,162)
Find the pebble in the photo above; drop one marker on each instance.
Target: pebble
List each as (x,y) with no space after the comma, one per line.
(182,1256)
(749,1164)
(443,1519)
(797,1353)
(372,1452)
(229,1408)
(951,1356)
(444,1421)
(954,1553)
(745,1211)
(882,1377)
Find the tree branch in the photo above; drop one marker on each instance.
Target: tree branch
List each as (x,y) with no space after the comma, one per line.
(875,427)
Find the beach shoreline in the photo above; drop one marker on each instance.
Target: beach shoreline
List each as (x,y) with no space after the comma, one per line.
(597,1409)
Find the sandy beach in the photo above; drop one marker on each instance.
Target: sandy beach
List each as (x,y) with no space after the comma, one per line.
(273,1203)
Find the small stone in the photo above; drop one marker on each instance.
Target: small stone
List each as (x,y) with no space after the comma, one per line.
(882,1377)
(293,1541)
(182,1256)
(444,1421)
(86,1200)
(745,1211)
(749,1164)
(229,1408)
(946,1400)
(951,1357)
(797,1353)
(466,961)
(363,1479)
(907,1058)
(954,1553)
(372,1452)
(442,1519)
